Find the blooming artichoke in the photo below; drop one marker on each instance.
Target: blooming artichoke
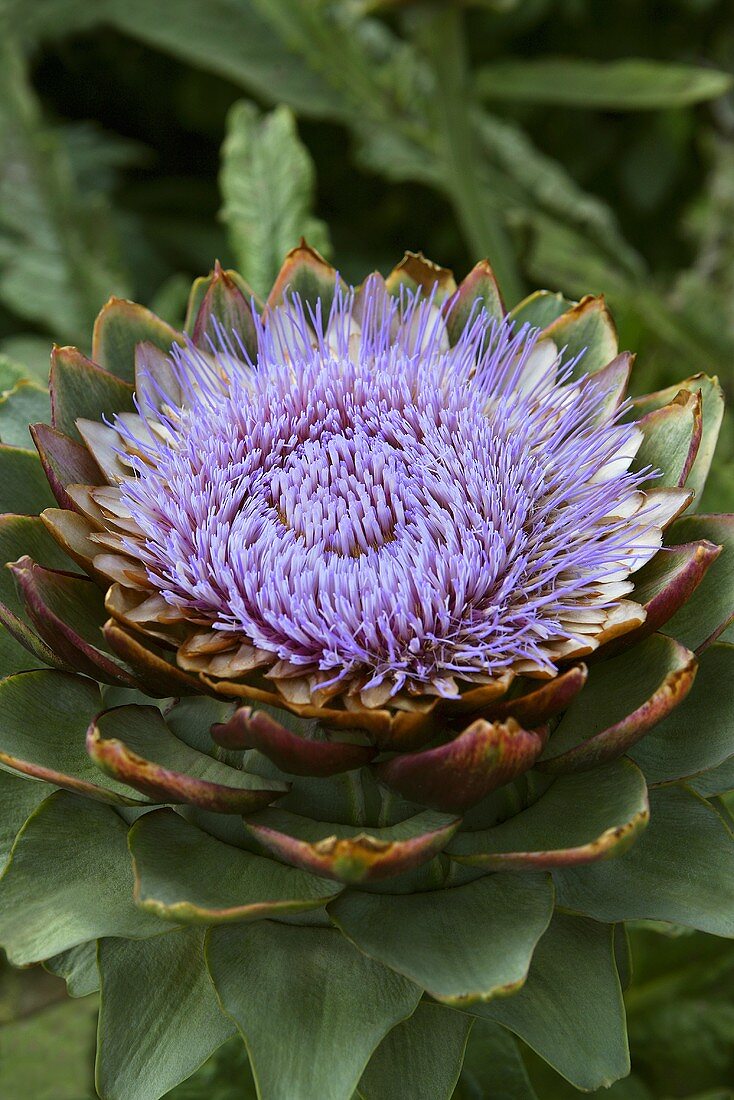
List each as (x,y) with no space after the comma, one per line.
(356,696)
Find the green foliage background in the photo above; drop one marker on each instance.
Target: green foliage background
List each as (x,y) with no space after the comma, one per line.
(582,146)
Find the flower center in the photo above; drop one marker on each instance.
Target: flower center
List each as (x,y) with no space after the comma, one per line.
(342,493)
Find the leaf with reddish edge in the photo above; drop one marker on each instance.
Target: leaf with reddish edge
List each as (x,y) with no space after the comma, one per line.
(64,462)
(580,818)
(290,752)
(672,436)
(184,875)
(134,745)
(81,389)
(478,291)
(119,327)
(541,703)
(623,699)
(199,288)
(707,614)
(68,611)
(19,534)
(43,719)
(158,676)
(587,327)
(699,735)
(457,775)
(664,585)
(224,310)
(305,272)
(415,272)
(680,871)
(352,854)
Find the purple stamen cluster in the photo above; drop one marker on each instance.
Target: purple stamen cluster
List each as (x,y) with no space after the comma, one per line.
(366,505)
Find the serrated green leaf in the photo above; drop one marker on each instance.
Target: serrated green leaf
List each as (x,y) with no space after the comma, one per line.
(267,184)
(58,258)
(628,85)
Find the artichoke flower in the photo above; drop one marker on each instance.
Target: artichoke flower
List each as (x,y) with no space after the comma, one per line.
(363,674)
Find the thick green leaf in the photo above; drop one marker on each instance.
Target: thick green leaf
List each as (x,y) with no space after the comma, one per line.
(134,744)
(463,944)
(671,438)
(539,309)
(184,875)
(718,781)
(78,967)
(420,1059)
(623,698)
(699,734)
(19,798)
(25,404)
(493,1067)
(159,1019)
(578,819)
(570,1010)
(681,870)
(23,485)
(628,85)
(711,607)
(586,328)
(320,1009)
(43,722)
(13,656)
(267,184)
(69,880)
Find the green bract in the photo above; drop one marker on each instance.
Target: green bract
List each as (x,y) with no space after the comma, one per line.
(348,888)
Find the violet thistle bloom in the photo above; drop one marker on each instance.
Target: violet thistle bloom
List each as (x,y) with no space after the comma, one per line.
(415,570)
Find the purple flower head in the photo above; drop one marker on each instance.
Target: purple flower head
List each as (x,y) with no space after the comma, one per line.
(366,511)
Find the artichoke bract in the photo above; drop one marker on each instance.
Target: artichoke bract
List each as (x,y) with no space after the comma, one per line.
(363,673)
